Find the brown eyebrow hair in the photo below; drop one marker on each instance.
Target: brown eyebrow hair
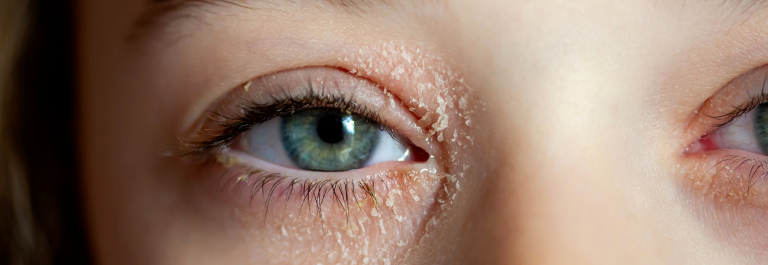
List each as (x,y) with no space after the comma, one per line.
(161,12)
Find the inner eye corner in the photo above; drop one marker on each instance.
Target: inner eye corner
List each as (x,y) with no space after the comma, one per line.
(419,154)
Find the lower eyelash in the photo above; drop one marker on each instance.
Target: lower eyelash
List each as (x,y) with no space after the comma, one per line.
(733,177)
(343,193)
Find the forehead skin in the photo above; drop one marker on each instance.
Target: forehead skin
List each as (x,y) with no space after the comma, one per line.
(577,146)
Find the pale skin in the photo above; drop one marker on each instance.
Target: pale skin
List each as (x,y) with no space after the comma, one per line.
(571,140)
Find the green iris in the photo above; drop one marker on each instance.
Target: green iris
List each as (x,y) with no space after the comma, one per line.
(761,126)
(328,139)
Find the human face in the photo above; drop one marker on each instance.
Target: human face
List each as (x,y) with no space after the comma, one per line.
(534,132)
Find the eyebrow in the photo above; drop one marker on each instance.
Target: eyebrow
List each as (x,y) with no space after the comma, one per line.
(162,12)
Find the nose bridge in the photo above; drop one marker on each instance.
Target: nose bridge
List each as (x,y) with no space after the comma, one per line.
(551,195)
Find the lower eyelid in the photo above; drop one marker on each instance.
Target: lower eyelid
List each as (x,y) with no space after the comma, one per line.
(728,103)
(263,186)
(242,159)
(732,176)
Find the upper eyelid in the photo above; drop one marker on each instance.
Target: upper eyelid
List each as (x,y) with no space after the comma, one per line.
(729,117)
(743,108)
(736,98)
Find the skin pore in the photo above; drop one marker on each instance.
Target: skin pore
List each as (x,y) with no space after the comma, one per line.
(559,132)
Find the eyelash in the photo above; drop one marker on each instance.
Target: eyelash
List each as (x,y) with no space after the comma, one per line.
(343,192)
(758,168)
(738,111)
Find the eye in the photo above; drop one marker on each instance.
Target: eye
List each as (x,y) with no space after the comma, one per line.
(296,139)
(324,139)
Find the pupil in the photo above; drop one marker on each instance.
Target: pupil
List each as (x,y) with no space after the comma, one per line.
(330,129)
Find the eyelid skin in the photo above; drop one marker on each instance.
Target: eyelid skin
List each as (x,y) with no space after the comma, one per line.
(731,176)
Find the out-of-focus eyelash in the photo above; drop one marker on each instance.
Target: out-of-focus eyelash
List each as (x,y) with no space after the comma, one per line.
(727,118)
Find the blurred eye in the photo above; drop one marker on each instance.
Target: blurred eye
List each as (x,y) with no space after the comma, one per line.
(323,139)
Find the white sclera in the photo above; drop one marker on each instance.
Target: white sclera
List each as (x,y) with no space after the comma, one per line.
(387,150)
(739,134)
(265,142)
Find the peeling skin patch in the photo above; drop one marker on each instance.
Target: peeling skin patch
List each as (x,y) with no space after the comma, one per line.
(226,160)
(433,87)
(440,99)
(246,86)
(348,234)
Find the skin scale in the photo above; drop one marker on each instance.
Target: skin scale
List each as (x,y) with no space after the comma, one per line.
(578,115)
